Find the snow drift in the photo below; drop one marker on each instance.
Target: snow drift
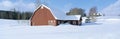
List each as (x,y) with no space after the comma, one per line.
(104,28)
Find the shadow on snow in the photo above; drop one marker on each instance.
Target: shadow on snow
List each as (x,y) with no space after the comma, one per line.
(89,24)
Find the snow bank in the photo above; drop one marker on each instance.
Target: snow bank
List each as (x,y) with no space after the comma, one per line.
(102,29)
(6,22)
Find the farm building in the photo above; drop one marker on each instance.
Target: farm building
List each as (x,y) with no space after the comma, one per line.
(45,15)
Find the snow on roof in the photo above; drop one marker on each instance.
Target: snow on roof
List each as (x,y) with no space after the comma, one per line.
(42,5)
(60,15)
(71,17)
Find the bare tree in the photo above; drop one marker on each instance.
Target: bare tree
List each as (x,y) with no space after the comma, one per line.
(93,11)
(93,14)
(37,3)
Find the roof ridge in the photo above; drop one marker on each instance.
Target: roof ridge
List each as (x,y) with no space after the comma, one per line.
(42,5)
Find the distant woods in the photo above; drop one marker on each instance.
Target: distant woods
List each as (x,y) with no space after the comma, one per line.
(80,11)
(16,15)
(93,12)
(77,11)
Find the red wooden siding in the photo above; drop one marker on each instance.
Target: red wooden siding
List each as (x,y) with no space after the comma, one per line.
(43,16)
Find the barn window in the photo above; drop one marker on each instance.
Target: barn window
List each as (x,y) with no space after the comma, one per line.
(51,22)
(58,22)
(54,21)
(74,22)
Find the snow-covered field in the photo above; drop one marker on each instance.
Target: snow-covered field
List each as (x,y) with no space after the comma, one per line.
(104,28)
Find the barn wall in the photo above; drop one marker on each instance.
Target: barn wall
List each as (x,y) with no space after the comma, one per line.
(43,16)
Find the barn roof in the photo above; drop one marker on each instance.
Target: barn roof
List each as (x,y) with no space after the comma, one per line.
(60,15)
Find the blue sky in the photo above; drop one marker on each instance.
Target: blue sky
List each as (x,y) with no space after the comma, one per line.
(64,5)
(85,4)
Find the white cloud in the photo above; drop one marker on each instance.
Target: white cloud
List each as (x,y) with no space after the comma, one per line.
(112,10)
(18,5)
(4,5)
(7,4)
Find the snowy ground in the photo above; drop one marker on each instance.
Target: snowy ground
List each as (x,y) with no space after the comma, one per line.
(104,28)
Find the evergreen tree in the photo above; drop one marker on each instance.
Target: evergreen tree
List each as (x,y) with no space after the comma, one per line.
(16,15)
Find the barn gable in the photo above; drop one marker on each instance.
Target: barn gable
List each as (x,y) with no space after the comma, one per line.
(42,16)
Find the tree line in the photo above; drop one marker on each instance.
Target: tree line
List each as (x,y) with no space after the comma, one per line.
(16,15)
(80,11)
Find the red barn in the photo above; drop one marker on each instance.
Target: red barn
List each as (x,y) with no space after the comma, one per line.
(51,16)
